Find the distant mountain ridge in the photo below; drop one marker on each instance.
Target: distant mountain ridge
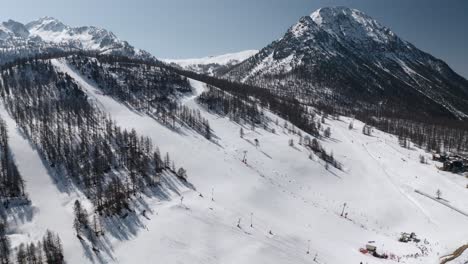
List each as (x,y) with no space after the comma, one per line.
(48,34)
(342,56)
(212,65)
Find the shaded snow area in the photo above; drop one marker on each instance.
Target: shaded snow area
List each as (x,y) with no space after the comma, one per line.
(267,209)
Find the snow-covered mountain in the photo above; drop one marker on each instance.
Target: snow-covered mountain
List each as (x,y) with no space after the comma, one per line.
(131,161)
(259,196)
(48,34)
(341,55)
(13,30)
(212,65)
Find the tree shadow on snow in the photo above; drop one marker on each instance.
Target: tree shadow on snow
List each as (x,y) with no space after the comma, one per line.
(129,223)
(123,226)
(17,211)
(63,184)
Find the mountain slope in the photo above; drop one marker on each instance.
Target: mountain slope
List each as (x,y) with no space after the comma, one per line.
(212,65)
(342,56)
(286,189)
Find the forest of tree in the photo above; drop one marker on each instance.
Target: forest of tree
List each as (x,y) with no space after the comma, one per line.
(11,182)
(237,109)
(439,135)
(289,109)
(77,140)
(49,250)
(144,87)
(434,134)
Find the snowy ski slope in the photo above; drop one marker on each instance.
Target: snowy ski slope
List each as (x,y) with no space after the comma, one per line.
(279,188)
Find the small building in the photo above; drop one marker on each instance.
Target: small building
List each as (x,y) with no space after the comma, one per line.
(405,237)
(371,248)
(456,165)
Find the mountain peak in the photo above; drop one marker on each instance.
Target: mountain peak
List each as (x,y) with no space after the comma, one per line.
(345,51)
(46,24)
(351,24)
(330,14)
(47,19)
(327,12)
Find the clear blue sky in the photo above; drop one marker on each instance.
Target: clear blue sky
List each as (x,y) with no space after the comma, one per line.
(194,28)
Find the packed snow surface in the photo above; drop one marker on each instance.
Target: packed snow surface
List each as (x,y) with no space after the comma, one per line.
(288,196)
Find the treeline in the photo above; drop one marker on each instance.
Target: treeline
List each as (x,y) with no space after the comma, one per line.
(435,134)
(299,115)
(11,182)
(109,163)
(287,108)
(439,133)
(21,55)
(49,250)
(429,136)
(12,51)
(236,108)
(144,87)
